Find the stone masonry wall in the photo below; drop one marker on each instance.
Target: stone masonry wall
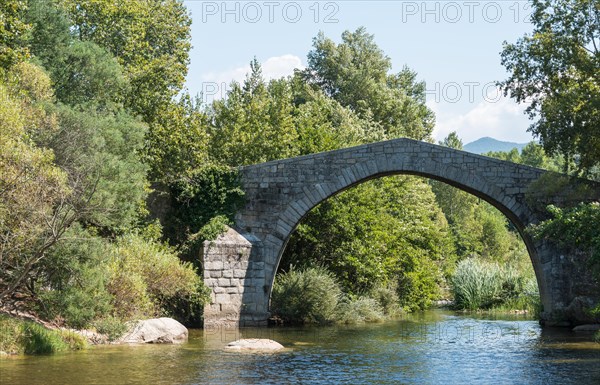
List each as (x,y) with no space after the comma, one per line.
(235,280)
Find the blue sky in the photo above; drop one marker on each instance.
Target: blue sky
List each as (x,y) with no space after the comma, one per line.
(453,45)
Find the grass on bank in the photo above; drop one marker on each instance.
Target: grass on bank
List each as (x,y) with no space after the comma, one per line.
(26,337)
(478,285)
(313,295)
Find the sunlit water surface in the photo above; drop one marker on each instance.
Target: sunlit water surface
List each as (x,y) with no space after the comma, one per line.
(427,348)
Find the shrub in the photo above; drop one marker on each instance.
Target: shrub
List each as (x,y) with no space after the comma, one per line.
(306,296)
(359,310)
(111,326)
(72,287)
(147,277)
(387,298)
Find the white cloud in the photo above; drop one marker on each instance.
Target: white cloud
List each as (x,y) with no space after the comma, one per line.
(502,119)
(214,85)
(272,68)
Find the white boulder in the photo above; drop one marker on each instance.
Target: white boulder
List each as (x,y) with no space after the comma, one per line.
(255,344)
(157,331)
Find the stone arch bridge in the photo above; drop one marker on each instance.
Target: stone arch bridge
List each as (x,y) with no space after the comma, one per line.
(240,266)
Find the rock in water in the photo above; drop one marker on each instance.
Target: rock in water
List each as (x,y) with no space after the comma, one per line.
(157,331)
(587,328)
(254,344)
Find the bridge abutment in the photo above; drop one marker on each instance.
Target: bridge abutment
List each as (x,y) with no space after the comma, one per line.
(235,274)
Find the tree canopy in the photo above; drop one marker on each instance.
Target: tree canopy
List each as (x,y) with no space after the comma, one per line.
(556,70)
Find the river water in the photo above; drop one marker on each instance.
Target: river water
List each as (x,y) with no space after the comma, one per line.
(426,348)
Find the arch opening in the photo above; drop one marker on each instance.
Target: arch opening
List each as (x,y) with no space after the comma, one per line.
(285,259)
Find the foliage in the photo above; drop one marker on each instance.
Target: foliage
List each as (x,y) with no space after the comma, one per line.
(387,298)
(103,164)
(72,282)
(177,140)
(150,40)
(308,295)
(380,231)
(34,196)
(555,70)
(253,123)
(111,326)
(577,227)
(532,154)
(355,73)
(215,227)
(359,310)
(209,192)
(13,33)
(477,284)
(323,124)
(147,279)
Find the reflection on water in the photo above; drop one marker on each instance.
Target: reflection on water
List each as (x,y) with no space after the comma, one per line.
(430,347)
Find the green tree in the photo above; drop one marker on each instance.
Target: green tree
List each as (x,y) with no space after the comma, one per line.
(149,38)
(13,33)
(323,124)
(177,140)
(557,70)
(35,199)
(101,155)
(253,123)
(356,74)
(83,73)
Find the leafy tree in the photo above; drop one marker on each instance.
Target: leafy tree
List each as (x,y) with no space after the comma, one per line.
(557,70)
(35,205)
(355,73)
(13,33)
(101,155)
(254,123)
(83,73)
(177,140)
(149,38)
(323,124)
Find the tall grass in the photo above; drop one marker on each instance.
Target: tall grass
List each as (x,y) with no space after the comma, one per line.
(359,310)
(475,284)
(478,284)
(27,337)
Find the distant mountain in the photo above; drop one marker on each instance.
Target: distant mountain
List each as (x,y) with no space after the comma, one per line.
(487,144)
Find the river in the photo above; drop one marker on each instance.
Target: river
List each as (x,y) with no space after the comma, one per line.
(427,348)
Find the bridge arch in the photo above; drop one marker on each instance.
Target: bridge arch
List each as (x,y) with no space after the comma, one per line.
(280,193)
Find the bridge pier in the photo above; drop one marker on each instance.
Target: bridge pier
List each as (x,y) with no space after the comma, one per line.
(235,275)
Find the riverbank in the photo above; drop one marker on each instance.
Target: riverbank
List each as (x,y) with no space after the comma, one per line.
(27,336)
(425,347)
(21,336)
